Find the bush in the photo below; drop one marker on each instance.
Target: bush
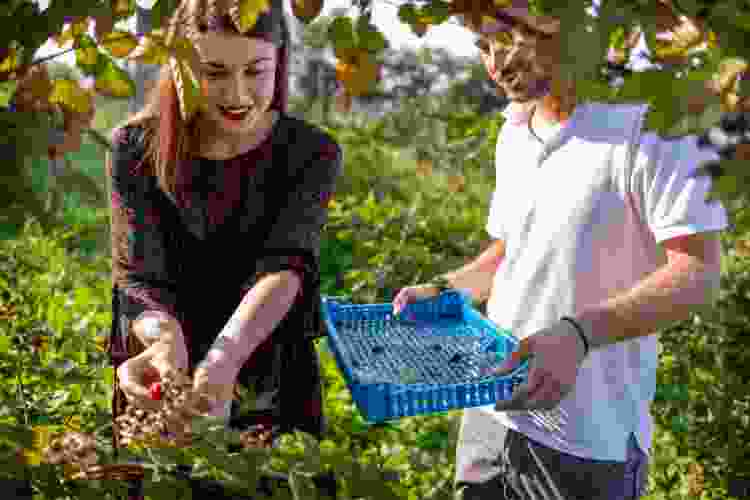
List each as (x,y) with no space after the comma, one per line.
(388,228)
(703,394)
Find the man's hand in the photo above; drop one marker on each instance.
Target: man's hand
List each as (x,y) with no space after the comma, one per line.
(411,294)
(555,354)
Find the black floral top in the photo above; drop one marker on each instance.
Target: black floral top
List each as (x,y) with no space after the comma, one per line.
(197,256)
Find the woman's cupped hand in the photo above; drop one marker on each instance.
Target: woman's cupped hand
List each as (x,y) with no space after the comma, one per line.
(137,375)
(165,354)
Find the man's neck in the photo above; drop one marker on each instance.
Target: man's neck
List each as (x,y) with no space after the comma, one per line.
(557,106)
(551,111)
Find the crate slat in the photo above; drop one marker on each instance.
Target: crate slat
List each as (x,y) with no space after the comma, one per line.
(427,360)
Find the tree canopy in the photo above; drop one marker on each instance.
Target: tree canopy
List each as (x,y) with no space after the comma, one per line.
(697,49)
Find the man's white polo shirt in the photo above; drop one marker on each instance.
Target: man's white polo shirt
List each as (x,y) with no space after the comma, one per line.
(581,223)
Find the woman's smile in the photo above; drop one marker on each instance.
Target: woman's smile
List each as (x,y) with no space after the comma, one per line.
(234,115)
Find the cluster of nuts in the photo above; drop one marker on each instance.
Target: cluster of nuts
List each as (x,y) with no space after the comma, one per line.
(258,436)
(76,452)
(72,448)
(170,425)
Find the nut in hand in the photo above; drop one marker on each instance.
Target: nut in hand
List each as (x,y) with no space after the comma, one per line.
(170,425)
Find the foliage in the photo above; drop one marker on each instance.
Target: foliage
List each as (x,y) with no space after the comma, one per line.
(55,314)
(388,448)
(703,386)
(58,70)
(697,48)
(704,354)
(388,228)
(414,455)
(75,316)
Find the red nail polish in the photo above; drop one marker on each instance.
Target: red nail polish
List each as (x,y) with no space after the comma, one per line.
(154,391)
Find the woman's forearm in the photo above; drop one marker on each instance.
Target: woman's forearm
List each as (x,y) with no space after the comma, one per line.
(477,275)
(257,316)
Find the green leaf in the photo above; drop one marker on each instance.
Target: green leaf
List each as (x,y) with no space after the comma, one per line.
(69,93)
(16,435)
(152,49)
(73,180)
(5,344)
(113,81)
(617,38)
(341,33)
(76,377)
(371,39)
(432,440)
(302,487)
(638,84)
(119,43)
(88,57)
(680,424)
(161,11)
(359,425)
(245,467)
(166,489)
(407,13)
(581,51)
(246,13)
(436,12)
(99,138)
(7,89)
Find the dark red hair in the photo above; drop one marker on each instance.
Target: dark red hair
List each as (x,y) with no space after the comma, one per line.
(169,147)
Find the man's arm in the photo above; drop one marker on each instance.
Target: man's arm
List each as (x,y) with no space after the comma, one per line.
(477,275)
(688,281)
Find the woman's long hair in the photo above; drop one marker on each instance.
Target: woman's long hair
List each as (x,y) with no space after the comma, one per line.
(168,138)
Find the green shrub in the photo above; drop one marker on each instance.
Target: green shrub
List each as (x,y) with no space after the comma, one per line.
(48,294)
(703,393)
(388,228)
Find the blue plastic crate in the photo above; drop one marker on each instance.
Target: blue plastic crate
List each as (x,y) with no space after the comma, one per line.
(425,360)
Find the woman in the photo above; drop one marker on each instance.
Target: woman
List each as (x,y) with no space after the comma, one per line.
(216,222)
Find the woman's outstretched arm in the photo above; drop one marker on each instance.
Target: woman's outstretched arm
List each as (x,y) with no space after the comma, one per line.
(287,271)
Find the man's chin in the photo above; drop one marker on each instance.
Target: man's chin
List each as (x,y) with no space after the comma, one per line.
(525,95)
(520,97)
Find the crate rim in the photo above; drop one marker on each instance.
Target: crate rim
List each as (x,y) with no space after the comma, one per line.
(467,312)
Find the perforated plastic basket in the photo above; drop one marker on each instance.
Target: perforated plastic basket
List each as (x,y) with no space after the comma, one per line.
(426,360)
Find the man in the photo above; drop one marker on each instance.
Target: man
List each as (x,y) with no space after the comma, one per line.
(583,200)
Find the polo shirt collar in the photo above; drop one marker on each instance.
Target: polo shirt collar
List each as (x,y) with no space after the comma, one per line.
(518,114)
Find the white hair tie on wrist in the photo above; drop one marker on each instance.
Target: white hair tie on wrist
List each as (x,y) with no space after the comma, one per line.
(151,328)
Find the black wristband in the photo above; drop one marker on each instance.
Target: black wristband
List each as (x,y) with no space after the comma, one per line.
(580,332)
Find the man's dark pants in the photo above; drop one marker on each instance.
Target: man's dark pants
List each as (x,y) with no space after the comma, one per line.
(531,471)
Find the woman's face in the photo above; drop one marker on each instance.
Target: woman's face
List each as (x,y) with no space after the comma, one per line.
(237,76)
